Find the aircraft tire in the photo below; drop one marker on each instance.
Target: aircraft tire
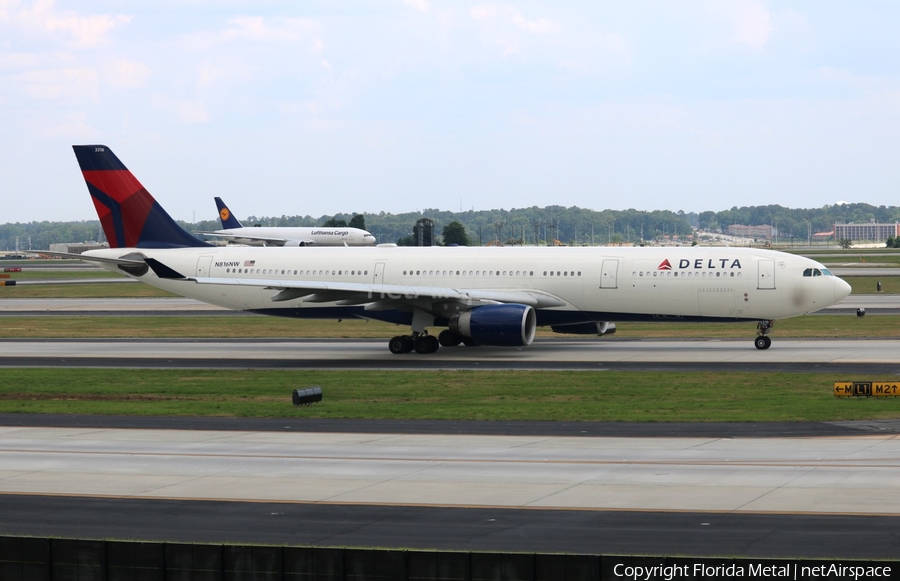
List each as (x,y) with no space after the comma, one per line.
(422,345)
(433,343)
(762,342)
(448,338)
(400,344)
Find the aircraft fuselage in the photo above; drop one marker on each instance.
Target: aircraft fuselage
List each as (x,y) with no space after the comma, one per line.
(594,283)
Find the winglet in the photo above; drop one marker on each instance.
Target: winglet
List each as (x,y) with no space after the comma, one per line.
(225,215)
(163,271)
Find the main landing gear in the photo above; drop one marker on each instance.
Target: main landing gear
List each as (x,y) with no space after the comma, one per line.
(423,343)
(420,343)
(762,340)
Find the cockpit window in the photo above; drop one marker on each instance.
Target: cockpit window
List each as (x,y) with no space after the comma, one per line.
(826,272)
(817,272)
(807,272)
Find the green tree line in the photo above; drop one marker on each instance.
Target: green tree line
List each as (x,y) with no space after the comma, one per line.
(569,225)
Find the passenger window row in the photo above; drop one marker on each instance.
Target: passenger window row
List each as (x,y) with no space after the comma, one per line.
(520,273)
(485,273)
(297,272)
(689,274)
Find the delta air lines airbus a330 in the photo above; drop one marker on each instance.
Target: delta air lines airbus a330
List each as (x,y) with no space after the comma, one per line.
(482,296)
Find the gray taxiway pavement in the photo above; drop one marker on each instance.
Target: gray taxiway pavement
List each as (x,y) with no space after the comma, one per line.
(697,534)
(827,475)
(635,495)
(850,356)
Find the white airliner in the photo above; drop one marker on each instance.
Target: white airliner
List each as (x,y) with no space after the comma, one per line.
(235,232)
(482,296)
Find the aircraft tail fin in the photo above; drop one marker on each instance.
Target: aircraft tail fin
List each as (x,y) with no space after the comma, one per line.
(131,218)
(225,215)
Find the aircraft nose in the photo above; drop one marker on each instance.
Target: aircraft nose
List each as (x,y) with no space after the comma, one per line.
(841,289)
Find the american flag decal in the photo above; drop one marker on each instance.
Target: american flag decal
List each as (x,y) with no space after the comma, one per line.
(249,262)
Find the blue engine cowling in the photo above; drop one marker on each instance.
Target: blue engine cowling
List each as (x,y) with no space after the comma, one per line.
(509,325)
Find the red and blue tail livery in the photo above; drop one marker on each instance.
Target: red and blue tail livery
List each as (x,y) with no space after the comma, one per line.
(131,218)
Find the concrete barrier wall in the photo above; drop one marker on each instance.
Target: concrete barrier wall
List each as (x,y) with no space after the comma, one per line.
(42,559)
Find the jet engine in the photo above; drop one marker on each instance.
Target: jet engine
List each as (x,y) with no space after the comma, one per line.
(510,325)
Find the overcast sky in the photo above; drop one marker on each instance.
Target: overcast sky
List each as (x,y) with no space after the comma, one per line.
(324,107)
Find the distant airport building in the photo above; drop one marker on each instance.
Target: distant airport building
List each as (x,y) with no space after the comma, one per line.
(77,247)
(870,231)
(765,231)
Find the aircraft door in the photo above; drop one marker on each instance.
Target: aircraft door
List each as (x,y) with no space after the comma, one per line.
(379,273)
(766,274)
(203,266)
(608,276)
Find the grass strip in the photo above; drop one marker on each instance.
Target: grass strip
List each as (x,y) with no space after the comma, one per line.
(443,395)
(864,285)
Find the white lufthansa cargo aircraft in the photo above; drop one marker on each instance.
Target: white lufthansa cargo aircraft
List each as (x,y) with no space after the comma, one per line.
(482,296)
(234,231)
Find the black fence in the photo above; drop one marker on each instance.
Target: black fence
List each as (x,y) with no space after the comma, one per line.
(40,559)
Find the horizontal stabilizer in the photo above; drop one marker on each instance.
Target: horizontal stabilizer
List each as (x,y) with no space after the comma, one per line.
(87,258)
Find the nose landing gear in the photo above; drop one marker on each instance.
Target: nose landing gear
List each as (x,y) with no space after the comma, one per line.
(762,340)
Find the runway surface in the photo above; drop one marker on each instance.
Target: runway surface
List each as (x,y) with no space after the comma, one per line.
(754,490)
(173,305)
(868,271)
(460,427)
(839,356)
(702,496)
(458,529)
(833,475)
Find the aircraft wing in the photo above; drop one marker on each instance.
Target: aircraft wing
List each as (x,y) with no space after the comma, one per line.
(376,296)
(269,240)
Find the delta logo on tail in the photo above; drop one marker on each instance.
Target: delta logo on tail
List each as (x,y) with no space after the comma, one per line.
(664,265)
(130,217)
